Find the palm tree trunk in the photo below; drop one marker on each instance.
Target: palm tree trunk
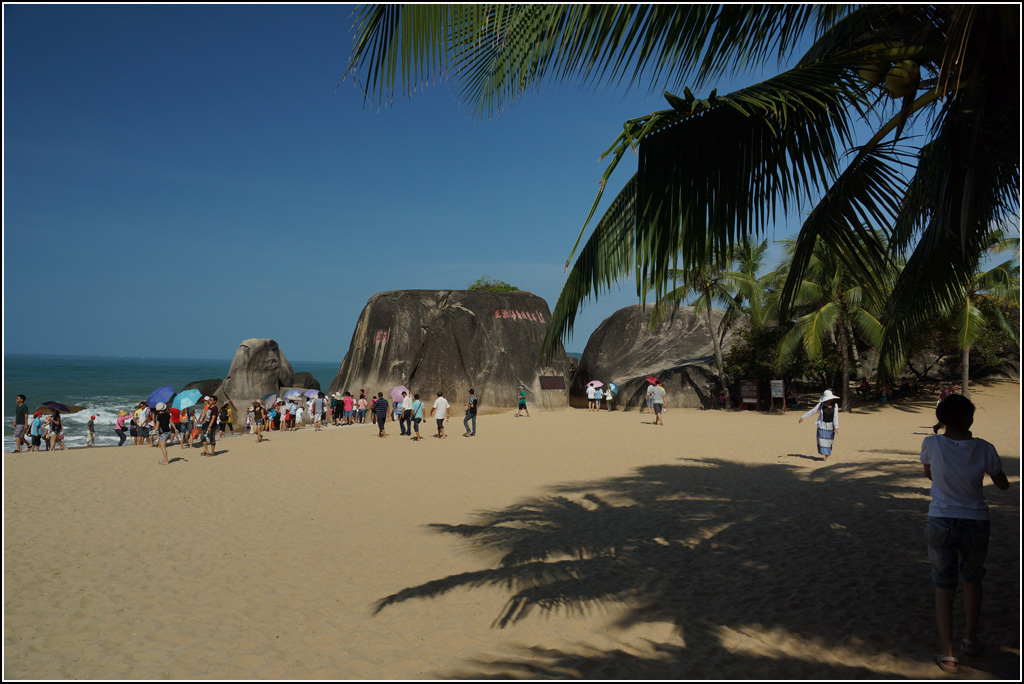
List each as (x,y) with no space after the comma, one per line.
(965,372)
(716,344)
(844,356)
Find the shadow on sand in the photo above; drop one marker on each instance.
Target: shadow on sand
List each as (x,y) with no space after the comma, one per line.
(717,548)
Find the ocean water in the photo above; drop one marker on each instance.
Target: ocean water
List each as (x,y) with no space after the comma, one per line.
(105,385)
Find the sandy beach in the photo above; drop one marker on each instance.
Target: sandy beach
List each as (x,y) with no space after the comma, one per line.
(565,545)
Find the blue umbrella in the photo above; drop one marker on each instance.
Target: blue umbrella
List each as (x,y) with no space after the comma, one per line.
(186,399)
(312,394)
(267,400)
(613,387)
(292,393)
(160,395)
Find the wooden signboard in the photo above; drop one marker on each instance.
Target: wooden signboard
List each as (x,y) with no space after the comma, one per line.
(749,392)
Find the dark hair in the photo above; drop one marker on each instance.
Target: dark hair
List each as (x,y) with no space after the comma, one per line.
(380,395)
(439,393)
(471,391)
(415,396)
(22,397)
(955,410)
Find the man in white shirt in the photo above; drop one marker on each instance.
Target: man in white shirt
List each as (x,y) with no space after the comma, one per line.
(405,422)
(590,397)
(440,412)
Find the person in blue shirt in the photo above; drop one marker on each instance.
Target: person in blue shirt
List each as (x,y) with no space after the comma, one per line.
(417,415)
(36,431)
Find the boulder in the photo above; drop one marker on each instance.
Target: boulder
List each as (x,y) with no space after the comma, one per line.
(258,368)
(305,381)
(679,352)
(454,340)
(207,387)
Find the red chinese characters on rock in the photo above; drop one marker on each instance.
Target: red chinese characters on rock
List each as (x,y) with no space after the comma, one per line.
(382,336)
(517,315)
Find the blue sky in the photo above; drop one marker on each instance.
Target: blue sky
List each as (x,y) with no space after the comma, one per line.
(180,178)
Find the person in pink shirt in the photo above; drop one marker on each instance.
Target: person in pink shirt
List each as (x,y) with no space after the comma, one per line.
(348,403)
(361,405)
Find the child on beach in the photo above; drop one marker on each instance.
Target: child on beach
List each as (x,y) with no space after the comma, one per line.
(957,532)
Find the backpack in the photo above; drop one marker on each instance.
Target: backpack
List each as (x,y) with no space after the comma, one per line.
(223,417)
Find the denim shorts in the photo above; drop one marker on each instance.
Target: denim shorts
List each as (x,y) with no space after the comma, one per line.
(956,548)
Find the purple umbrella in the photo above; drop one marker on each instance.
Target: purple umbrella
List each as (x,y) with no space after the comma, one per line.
(396,394)
(161,395)
(312,394)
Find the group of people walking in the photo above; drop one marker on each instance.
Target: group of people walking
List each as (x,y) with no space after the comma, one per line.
(38,432)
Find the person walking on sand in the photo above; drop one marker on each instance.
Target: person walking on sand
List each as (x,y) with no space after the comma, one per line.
(405,422)
(21,425)
(259,420)
(471,405)
(122,418)
(380,409)
(164,429)
(36,431)
(522,402)
(318,412)
(417,415)
(185,427)
(957,531)
(440,413)
(658,402)
(90,432)
(827,409)
(210,428)
(57,432)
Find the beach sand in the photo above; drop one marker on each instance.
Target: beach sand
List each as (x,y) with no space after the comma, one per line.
(717,546)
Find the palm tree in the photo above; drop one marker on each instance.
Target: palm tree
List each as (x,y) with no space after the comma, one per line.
(980,300)
(731,282)
(951,74)
(833,303)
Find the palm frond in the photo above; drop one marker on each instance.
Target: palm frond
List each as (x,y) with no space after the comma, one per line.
(606,258)
(493,54)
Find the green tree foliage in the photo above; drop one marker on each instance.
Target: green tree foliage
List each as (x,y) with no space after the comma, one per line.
(831,302)
(490,284)
(978,306)
(766,149)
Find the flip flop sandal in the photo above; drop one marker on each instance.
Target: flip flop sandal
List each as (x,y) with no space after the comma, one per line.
(949,664)
(971,648)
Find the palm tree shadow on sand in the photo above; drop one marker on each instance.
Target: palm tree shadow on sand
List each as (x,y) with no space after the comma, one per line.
(719,550)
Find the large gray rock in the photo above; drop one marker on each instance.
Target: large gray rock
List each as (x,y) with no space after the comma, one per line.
(258,368)
(454,340)
(305,381)
(679,352)
(207,387)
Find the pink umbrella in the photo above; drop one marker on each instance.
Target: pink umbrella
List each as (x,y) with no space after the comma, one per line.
(595,383)
(396,394)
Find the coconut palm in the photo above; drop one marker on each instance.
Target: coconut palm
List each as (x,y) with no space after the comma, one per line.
(832,303)
(731,282)
(980,300)
(825,132)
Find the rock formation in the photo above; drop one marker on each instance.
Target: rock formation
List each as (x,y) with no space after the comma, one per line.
(454,340)
(257,369)
(679,352)
(305,381)
(207,387)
